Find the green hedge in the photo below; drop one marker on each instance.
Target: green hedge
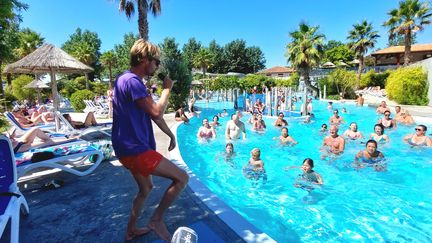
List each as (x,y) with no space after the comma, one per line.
(408,86)
(78,97)
(371,78)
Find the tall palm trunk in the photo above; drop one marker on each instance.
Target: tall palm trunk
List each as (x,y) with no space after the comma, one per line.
(306,79)
(142,19)
(360,69)
(407,40)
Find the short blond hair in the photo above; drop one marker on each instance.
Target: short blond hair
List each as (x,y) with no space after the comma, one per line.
(143,49)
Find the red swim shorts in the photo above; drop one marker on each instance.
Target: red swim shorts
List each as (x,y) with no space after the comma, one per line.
(143,163)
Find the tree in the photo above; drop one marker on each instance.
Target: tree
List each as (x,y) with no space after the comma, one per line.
(122,53)
(9,24)
(340,53)
(236,57)
(170,49)
(399,40)
(305,51)
(108,59)
(85,47)
(219,61)
(362,38)
(143,6)
(190,49)
(203,59)
(29,41)
(255,59)
(342,79)
(410,17)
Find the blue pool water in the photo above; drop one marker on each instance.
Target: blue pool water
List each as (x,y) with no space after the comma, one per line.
(362,205)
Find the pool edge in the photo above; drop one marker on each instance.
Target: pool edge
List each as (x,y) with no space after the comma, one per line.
(243,228)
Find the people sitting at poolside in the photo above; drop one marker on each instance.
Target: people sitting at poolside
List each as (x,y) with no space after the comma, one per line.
(280,121)
(370,157)
(206,131)
(382,108)
(181,116)
(27,141)
(285,138)
(360,100)
(90,120)
(336,119)
(259,124)
(215,122)
(379,135)
(254,169)
(387,121)
(259,106)
(333,143)
(28,121)
(323,128)
(309,175)
(419,138)
(353,133)
(234,127)
(405,118)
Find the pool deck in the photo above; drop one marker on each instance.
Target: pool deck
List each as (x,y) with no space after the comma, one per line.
(95,208)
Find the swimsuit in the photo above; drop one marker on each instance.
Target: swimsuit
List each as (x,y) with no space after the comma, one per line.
(203,134)
(310,176)
(413,143)
(379,140)
(18,146)
(371,160)
(389,125)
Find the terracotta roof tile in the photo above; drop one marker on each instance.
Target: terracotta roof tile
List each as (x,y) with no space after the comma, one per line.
(401,49)
(278,69)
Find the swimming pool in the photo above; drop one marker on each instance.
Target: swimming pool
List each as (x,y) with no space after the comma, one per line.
(353,204)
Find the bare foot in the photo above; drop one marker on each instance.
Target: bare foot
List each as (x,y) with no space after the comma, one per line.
(160,229)
(137,233)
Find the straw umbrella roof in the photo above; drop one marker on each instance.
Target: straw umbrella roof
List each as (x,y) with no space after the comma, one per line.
(36,84)
(48,58)
(342,64)
(329,65)
(355,61)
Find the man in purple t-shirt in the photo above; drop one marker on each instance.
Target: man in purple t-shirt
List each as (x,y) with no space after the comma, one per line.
(133,139)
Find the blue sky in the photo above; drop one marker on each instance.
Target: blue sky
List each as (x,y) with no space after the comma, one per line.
(265,24)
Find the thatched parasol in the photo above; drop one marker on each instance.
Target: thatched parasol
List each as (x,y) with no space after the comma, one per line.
(196,82)
(342,64)
(48,59)
(329,65)
(38,85)
(355,61)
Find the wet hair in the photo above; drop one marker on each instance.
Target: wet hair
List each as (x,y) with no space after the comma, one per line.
(360,95)
(423,126)
(309,161)
(232,115)
(353,123)
(281,113)
(285,128)
(216,117)
(372,141)
(229,144)
(335,111)
(324,125)
(379,125)
(398,106)
(142,49)
(387,111)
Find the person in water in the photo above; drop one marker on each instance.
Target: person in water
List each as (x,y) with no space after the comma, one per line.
(285,138)
(370,157)
(254,169)
(336,119)
(353,133)
(334,143)
(323,128)
(387,121)
(309,175)
(382,108)
(280,121)
(234,128)
(405,118)
(379,135)
(259,124)
(419,138)
(206,131)
(253,118)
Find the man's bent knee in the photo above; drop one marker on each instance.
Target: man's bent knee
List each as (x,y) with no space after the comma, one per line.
(183,178)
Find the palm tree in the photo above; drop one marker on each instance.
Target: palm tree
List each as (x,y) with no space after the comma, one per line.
(29,41)
(203,59)
(128,6)
(410,17)
(362,38)
(305,51)
(108,59)
(85,54)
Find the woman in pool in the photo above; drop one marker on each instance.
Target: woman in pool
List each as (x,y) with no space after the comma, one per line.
(323,129)
(309,175)
(206,131)
(215,121)
(285,138)
(370,157)
(352,133)
(259,124)
(379,135)
(387,121)
(253,118)
(280,121)
(419,138)
(255,166)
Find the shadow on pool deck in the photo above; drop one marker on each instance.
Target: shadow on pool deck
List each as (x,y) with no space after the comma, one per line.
(95,208)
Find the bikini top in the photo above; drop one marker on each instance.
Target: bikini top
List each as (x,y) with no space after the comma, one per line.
(204,134)
(413,143)
(389,124)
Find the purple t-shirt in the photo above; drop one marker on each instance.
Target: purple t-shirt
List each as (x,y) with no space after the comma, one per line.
(132,130)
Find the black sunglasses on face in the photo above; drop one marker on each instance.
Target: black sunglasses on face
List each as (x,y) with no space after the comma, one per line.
(418,129)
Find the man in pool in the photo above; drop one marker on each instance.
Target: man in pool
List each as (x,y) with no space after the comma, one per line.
(234,127)
(133,140)
(336,119)
(370,156)
(334,143)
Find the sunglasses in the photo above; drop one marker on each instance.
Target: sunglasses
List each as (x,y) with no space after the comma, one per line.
(418,129)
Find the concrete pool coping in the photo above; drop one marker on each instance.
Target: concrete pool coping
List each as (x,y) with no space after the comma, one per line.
(229,216)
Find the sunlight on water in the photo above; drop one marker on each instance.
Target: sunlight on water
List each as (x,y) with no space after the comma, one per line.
(352,205)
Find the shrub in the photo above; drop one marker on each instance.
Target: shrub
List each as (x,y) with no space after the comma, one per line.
(408,86)
(333,97)
(78,97)
(371,78)
(3,124)
(23,93)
